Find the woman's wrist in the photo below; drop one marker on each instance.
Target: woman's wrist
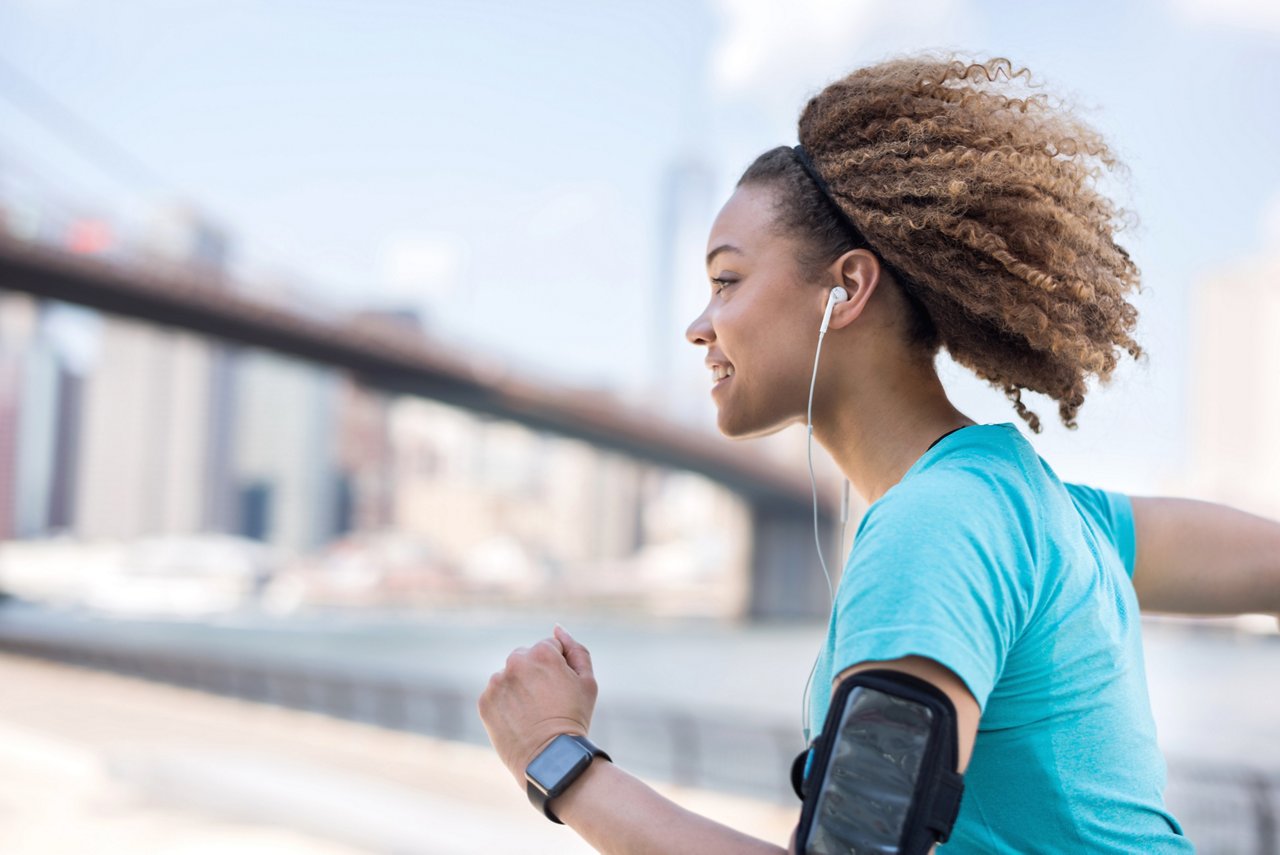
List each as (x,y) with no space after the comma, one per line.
(570,803)
(615,812)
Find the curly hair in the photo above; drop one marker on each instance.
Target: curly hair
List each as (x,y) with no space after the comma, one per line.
(984,206)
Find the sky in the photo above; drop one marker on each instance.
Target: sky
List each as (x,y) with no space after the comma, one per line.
(499,166)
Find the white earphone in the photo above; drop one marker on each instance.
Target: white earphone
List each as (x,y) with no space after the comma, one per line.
(838,295)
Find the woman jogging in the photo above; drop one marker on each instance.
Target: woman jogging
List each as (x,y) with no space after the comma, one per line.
(925,207)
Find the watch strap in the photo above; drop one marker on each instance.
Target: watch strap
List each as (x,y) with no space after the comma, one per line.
(541,800)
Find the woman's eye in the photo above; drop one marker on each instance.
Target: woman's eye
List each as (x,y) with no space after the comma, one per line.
(722,283)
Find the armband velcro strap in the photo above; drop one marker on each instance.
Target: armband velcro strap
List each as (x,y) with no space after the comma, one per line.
(883,774)
(945,805)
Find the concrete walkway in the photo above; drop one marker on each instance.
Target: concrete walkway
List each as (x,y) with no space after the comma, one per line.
(101,763)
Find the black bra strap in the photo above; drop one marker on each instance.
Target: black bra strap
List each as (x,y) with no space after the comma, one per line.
(945,435)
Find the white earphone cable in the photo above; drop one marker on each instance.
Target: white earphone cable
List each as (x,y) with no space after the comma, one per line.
(813,483)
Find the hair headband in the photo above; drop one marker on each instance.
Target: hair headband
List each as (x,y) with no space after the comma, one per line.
(825,189)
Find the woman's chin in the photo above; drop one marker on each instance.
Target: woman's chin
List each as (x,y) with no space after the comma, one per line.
(735,426)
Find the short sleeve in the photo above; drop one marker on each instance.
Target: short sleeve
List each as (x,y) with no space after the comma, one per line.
(941,570)
(1112,514)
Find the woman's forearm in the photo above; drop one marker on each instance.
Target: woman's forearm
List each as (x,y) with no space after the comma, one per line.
(619,814)
(1198,557)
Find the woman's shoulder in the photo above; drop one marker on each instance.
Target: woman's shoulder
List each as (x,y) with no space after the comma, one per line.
(977,458)
(978,498)
(953,507)
(980,478)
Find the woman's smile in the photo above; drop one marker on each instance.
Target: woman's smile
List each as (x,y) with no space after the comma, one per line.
(721,379)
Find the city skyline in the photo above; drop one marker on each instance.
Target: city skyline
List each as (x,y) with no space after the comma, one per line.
(397,166)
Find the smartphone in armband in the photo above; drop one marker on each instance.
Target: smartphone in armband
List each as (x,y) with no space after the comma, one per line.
(883,776)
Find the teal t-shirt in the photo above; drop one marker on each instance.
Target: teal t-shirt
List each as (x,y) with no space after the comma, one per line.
(982,559)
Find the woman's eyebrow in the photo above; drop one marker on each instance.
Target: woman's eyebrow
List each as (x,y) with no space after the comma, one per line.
(726,247)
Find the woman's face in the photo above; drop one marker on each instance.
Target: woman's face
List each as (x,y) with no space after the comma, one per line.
(761,322)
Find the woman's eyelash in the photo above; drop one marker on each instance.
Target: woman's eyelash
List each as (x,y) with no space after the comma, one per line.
(723,283)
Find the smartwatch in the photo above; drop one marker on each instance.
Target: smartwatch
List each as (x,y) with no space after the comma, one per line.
(556,767)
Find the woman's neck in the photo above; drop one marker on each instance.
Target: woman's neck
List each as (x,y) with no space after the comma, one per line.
(877,432)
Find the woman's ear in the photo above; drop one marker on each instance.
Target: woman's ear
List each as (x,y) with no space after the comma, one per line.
(858,272)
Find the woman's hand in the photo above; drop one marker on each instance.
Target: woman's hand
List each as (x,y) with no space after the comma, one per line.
(543,691)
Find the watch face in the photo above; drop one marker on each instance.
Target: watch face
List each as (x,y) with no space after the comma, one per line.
(559,760)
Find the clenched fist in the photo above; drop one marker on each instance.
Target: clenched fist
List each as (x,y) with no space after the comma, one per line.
(543,691)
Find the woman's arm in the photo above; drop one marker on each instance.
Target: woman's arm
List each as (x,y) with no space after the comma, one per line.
(1197,557)
(943,678)
(550,688)
(619,814)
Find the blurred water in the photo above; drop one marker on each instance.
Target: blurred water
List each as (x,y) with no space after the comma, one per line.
(1213,688)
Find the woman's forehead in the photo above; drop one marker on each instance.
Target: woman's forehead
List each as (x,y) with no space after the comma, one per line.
(744,221)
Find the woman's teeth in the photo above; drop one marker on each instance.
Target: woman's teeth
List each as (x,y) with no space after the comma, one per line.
(721,371)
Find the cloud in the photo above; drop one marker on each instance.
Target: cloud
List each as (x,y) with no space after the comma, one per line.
(422,266)
(1255,15)
(779,52)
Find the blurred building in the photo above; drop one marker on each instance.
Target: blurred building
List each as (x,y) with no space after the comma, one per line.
(284,471)
(39,411)
(365,456)
(145,433)
(1235,387)
(158,410)
(476,488)
(527,512)
(364,499)
(180,237)
(16,331)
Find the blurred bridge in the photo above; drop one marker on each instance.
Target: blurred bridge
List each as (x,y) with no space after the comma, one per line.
(785,575)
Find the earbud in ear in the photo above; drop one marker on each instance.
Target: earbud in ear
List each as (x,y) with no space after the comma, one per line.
(838,295)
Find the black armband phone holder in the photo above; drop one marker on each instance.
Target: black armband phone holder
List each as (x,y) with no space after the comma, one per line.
(884,773)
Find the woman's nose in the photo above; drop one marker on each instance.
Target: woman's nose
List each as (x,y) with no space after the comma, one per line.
(700,332)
